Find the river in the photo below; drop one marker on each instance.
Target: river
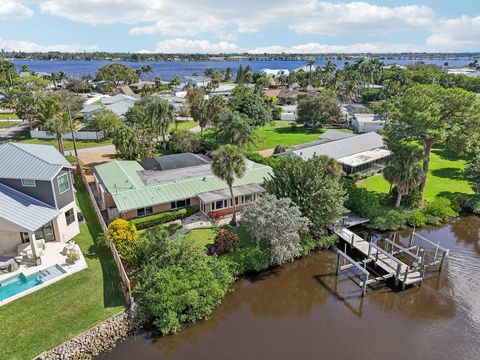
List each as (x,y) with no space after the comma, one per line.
(303,311)
(166,70)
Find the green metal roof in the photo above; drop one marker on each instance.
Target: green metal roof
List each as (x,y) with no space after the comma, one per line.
(129,192)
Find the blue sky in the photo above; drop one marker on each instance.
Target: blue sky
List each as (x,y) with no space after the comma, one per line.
(216,26)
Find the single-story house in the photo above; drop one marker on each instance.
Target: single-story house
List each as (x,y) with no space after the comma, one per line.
(356,153)
(274,72)
(143,85)
(130,189)
(365,123)
(306,68)
(119,104)
(123,90)
(289,112)
(197,81)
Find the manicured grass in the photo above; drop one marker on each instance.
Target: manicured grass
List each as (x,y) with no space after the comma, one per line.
(24,137)
(204,237)
(281,133)
(9,124)
(50,316)
(445,176)
(182,125)
(6,116)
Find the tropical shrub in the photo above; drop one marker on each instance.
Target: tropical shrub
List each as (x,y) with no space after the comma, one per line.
(183,141)
(179,282)
(251,258)
(224,241)
(123,234)
(389,220)
(279,149)
(278,224)
(162,218)
(417,218)
(310,244)
(469,203)
(439,210)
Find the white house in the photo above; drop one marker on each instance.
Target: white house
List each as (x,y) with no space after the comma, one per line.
(365,123)
(274,72)
(197,81)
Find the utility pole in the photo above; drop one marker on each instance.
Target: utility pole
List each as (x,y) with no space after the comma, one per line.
(73,135)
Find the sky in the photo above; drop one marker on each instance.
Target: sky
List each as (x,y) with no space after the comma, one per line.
(227,26)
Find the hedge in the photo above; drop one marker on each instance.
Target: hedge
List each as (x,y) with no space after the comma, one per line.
(162,218)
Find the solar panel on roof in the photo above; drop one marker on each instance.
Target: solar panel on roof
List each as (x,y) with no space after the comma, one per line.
(175,161)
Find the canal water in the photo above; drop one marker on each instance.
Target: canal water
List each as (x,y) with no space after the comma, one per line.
(303,311)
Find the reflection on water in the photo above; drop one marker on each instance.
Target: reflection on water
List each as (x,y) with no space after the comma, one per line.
(302,310)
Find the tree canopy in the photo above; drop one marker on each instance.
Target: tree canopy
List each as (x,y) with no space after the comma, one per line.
(318,110)
(253,106)
(117,74)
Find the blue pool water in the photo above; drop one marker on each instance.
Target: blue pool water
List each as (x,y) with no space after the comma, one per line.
(20,283)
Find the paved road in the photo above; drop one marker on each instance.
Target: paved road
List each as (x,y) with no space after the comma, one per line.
(8,133)
(92,150)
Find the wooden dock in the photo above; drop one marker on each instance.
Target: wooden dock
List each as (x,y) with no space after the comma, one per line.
(404,274)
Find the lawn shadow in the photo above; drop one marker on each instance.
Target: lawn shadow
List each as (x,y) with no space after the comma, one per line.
(449,173)
(112,287)
(446,154)
(298,130)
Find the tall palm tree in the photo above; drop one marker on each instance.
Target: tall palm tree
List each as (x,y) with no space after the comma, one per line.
(404,170)
(329,71)
(159,114)
(200,113)
(228,73)
(127,142)
(235,129)
(228,163)
(216,107)
(58,125)
(310,64)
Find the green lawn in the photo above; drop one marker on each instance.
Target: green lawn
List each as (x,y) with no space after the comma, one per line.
(6,116)
(24,137)
(204,237)
(281,133)
(182,125)
(8,124)
(444,178)
(48,317)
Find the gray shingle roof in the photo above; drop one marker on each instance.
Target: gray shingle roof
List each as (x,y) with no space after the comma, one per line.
(24,211)
(30,161)
(344,147)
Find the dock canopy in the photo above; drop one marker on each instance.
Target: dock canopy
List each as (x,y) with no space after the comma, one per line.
(224,194)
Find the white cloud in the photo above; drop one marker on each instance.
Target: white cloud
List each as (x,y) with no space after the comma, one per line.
(27,46)
(13,10)
(196,46)
(460,33)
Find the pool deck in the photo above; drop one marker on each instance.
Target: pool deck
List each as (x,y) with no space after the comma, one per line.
(53,256)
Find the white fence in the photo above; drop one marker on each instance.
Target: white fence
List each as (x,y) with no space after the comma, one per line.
(79,135)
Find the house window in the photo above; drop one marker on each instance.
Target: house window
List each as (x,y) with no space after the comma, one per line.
(70,216)
(28,183)
(63,184)
(25,238)
(144,211)
(180,204)
(218,205)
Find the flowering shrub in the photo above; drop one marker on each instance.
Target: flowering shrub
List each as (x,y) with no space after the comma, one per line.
(216,216)
(225,241)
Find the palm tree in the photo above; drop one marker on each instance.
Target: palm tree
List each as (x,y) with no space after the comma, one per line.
(310,64)
(329,72)
(404,170)
(235,129)
(159,114)
(58,125)
(227,75)
(216,106)
(127,142)
(48,108)
(228,163)
(200,113)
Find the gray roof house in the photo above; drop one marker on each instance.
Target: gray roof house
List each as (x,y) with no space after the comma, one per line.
(36,196)
(356,153)
(119,104)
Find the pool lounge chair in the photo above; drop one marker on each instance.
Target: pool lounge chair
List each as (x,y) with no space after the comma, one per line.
(8,264)
(25,249)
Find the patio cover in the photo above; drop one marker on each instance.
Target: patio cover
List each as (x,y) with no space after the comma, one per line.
(223,194)
(22,211)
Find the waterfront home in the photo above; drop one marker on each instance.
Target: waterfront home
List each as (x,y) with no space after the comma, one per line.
(365,123)
(271,73)
(306,68)
(197,81)
(356,153)
(130,189)
(36,197)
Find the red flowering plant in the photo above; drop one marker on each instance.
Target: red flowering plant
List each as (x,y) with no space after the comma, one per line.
(216,216)
(225,241)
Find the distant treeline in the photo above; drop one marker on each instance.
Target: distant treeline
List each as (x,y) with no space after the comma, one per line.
(89,56)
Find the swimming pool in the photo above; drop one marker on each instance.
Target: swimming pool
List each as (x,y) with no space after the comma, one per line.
(20,283)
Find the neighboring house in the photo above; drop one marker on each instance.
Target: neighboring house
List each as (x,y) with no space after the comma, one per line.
(129,189)
(356,153)
(349,110)
(464,71)
(274,72)
(197,81)
(306,68)
(365,123)
(143,85)
(224,90)
(36,196)
(119,104)
(123,90)
(288,96)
